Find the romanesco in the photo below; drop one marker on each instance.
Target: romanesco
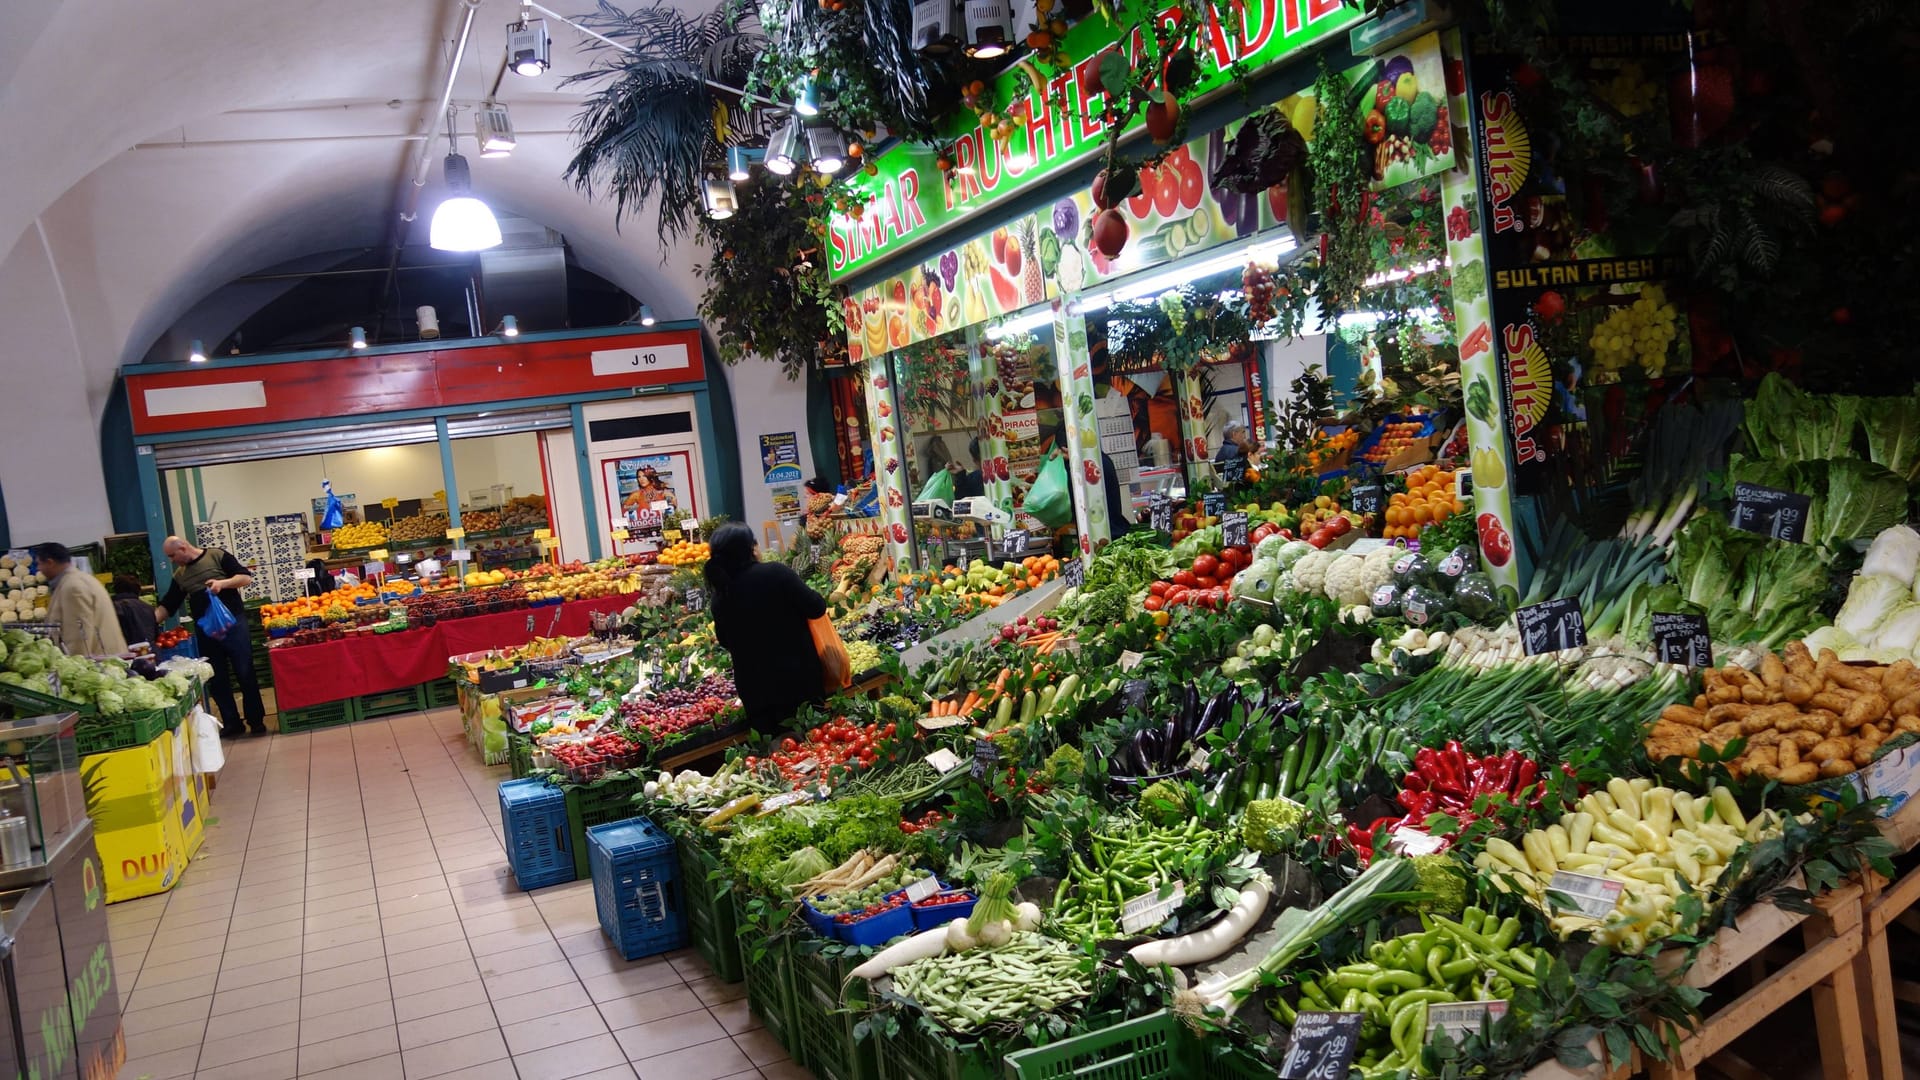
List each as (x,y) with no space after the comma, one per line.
(1443,877)
(1269,824)
(1163,803)
(1065,766)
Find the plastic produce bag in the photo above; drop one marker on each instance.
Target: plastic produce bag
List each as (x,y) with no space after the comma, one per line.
(218,620)
(1051,497)
(207,755)
(836,667)
(938,488)
(332,517)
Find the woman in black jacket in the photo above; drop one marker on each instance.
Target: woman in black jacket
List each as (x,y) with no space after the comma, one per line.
(760,616)
(136,615)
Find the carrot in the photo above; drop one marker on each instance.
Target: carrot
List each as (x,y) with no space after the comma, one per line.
(1000,683)
(972,702)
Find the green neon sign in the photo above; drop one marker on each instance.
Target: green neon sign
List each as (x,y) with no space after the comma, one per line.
(910,199)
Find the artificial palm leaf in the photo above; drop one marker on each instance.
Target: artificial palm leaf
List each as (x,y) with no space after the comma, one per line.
(652,129)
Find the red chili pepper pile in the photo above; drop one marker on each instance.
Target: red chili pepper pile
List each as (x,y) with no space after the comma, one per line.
(932,819)
(1453,782)
(871,910)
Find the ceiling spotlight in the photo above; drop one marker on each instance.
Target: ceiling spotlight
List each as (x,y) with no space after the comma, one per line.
(462,222)
(721,202)
(782,148)
(807,104)
(359,337)
(509,326)
(740,161)
(493,129)
(936,26)
(827,148)
(198,353)
(529,52)
(989,28)
(646,315)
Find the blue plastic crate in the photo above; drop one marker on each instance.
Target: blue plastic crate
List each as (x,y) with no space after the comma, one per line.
(539,847)
(876,929)
(637,888)
(927,918)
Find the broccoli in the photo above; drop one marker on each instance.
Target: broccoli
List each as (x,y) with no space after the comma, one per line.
(1164,803)
(1064,767)
(1443,877)
(1269,824)
(1422,116)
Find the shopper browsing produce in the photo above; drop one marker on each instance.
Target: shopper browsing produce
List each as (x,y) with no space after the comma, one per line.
(200,574)
(136,615)
(760,616)
(79,605)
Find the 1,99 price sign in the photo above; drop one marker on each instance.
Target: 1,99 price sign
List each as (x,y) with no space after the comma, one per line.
(1323,1046)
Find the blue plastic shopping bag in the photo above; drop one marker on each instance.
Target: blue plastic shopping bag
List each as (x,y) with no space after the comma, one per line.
(332,517)
(218,620)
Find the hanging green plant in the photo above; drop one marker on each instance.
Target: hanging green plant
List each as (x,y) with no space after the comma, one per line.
(1179,332)
(767,288)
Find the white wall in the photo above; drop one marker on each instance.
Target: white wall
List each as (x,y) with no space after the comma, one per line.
(765,402)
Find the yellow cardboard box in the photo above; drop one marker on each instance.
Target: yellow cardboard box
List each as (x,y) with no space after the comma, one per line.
(147,808)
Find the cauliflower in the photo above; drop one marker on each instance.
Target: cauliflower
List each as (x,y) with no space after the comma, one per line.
(1346,580)
(1379,568)
(1309,575)
(1269,824)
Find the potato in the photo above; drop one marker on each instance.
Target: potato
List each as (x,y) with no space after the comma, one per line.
(1797,690)
(1836,767)
(1898,672)
(1725,732)
(1863,753)
(1908,723)
(1789,754)
(1803,773)
(1700,702)
(1739,676)
(1764,717)
(1723,695)
(1768,737)
(1773,673)
(1798,661)
(1828,749)
(1804,741)
(1865,709)
(1864,680)
(1762,757)
(1834,701)
(1711,679)
(1756,695)
(1681,714)
(1906,706)
(1802,722)
(1732,710)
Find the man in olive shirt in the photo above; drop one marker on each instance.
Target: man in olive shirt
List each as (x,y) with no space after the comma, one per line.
(199,575)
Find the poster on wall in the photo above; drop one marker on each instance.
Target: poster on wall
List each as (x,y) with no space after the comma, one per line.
(780,457)
(787,504)
(1403,112)
(1576,289)
(648,493)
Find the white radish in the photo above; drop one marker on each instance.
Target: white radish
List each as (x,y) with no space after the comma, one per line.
(1217,939)
(958,939)
(1026,917)
(922,946)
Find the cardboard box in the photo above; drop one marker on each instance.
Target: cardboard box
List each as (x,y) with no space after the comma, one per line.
(147,805)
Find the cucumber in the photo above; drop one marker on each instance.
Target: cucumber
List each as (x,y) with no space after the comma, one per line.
(1289,765)
(1069,687)
(1310,763)
(1046,701)
(1004,714)
(1028,705)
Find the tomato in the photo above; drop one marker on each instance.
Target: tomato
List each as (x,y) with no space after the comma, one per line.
(789,745)
(1159,588)
(1177,596)
(1264,530)
(1340,525)
(1154,603)
(1206,581)
(887,731)
(1205,566)
(1166,190)
(1183,578)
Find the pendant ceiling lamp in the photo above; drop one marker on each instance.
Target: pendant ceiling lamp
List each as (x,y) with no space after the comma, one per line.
(461,222)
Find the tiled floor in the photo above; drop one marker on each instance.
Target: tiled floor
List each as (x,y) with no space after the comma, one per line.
(351,917)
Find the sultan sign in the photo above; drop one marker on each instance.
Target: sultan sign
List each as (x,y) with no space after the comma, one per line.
(1058,127)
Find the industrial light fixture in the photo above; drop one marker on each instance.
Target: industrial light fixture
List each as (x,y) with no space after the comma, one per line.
(720,199)
(198,353)
(808,102)
(493,130)
(461,222)
(989,28)
(646,315)
(936,27)
(740,161)
(827,149)
(359,337)
(782,147)
(529,50)
(509,326)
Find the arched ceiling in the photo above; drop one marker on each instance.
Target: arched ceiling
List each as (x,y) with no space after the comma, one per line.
(158,149)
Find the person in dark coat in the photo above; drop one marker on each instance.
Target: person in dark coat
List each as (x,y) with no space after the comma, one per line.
(321,583)
(136,615)
(760,616)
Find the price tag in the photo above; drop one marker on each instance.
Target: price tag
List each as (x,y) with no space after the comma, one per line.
(922,889)
(1015,542)
(456,533)
(1682,639)
(784,800)
(696,599)
(1233,470)
(1771,512)
(943,760)
(1369,498)
(1323,1046)
(430,567)
(1594,897)
(461,555)
(1233,529)
(1150,909)
(1459,1018)
(942,723)
(1551,625)
(305,573)
(621,536)
(403,558)
(389,503)
(985,757)
(662,506)
(1160,512)
(377,553)
(1074,573)
(671,535)
(1130,660)
(543,534)
(840,499)
(1463,484)
(373,568)
(1213,503)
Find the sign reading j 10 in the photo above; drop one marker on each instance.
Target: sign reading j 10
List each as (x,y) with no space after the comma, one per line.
(908,199)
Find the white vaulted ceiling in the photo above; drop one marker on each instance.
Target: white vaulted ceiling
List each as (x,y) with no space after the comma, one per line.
(153,150)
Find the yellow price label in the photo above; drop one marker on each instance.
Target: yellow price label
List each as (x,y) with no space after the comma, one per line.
(456,533)
(389,503)
(543,534)
(671,534)
(377,553)
(621,534)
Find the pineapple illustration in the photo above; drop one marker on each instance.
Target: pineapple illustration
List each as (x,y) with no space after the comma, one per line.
(1033,284)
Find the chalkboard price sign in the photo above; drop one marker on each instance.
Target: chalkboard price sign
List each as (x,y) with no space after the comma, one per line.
(1213,503)
(1551,626)
(1682,639)
(1074,573)
(985,757)
(1323,1046)
(1233,470)
(1160,512)
(1015,543)
(1369,498)
(1233,529)
(696,599)
(1771,512)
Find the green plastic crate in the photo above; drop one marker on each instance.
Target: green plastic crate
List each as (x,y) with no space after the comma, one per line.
(715,933)
(441,693)
(769,992)
(393,702)
(911,1054)
(1152,1047)
(324,715)
(262,665)
(603,801)
(105,734)
(823,1038)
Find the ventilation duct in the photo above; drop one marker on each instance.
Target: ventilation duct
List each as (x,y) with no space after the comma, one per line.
(526,277)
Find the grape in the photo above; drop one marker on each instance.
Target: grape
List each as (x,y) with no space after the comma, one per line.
(1642,332)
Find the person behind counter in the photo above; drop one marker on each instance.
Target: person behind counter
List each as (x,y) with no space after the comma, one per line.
(967,483)
(760,616)
(136,615)
(78,604)
(200,575)
(1236,441)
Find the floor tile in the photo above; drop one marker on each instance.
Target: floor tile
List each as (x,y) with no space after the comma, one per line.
(512,1010)
(434,978)
(166,1039)
(347,1049)
(167,1066)
(632,981)
(353,974)
(400,963)
(673,1033)
(380,1068)
(733,1015)
(252,1044)
(785,1070)
(283,1065)
(335,1025)
(554,1029)
(501,1069)
(274,1014)
(144,997)
(346,997)
(650,1006)
(230,1001)
(584,1057)
(707,1061)
(437,1059)
(760,1047)
(452,1024)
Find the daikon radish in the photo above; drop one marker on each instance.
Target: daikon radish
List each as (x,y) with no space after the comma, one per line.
(1214,941)
(921,946)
